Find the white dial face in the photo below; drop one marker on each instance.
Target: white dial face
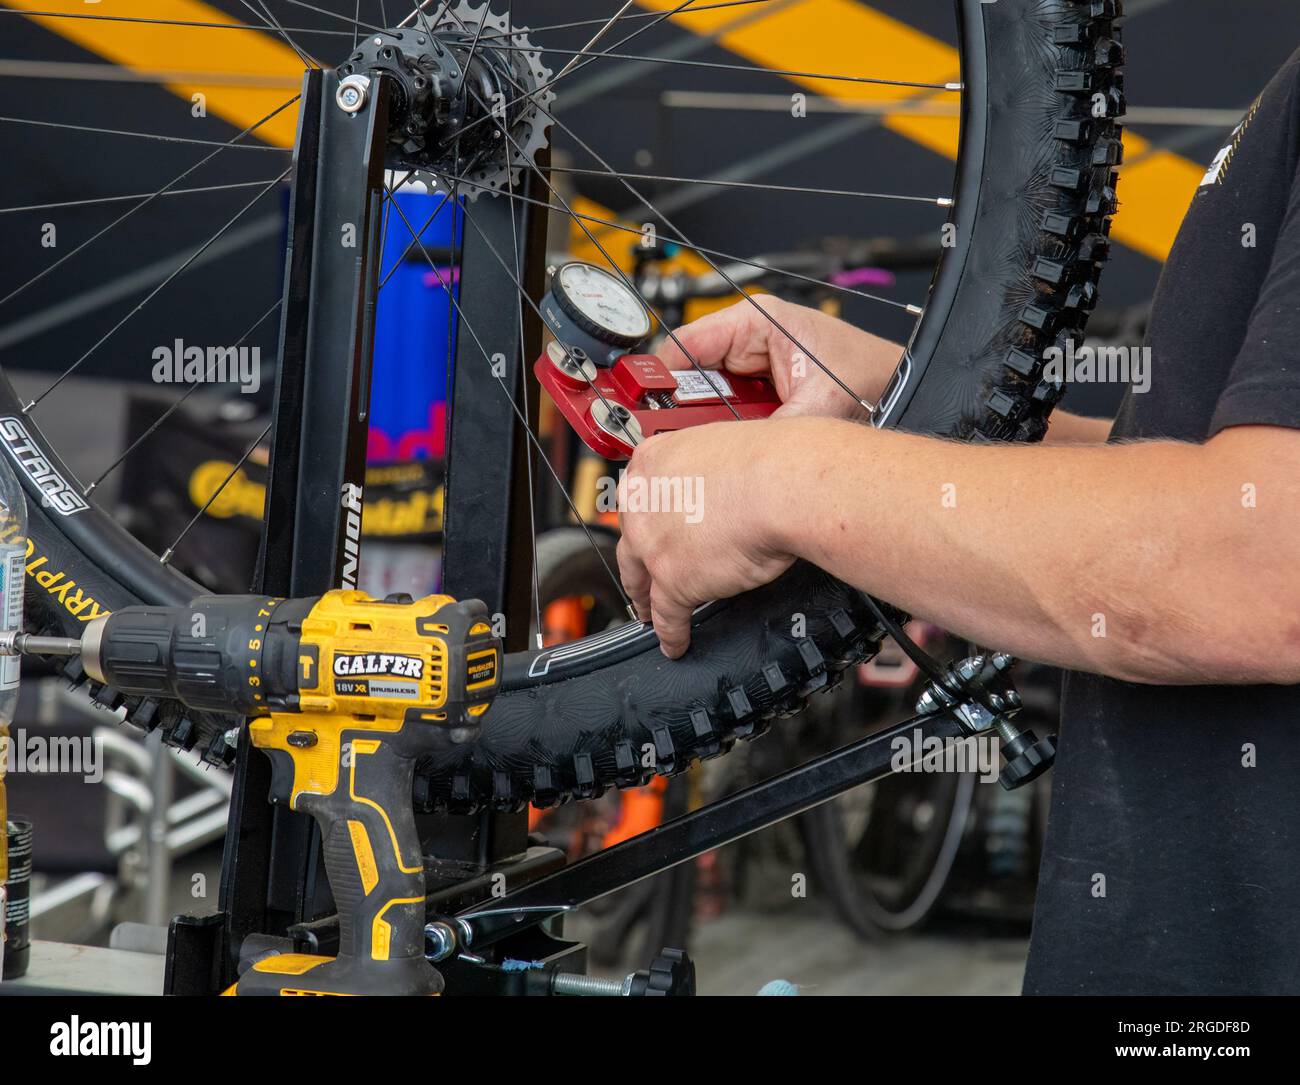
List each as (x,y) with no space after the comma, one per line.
(602,298)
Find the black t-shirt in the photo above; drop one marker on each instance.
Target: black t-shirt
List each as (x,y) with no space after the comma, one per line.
(1186,800)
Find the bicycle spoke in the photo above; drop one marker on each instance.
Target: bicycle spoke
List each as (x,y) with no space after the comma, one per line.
(162,22)
(273,22)
(410,248)
(523,294)
(65,71)
(631,286)
(526,159)
(530,96)
(747,68)
(916,106)
(155,291)
(693,9)
(915,310)
(483,351)
(148,200)
(418,16)
(473,51)
(596,38)
(610,171)
(140,135)
(118,199)
(334,15)
(176,404)
(167,554)
(618,271)
(937,201)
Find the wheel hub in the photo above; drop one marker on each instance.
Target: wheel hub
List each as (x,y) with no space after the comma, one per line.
(469,96)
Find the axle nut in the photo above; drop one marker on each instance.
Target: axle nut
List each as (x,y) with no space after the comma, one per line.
(352,93)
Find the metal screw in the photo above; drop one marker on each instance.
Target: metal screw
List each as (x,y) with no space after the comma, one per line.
(572,983)
(1007,731)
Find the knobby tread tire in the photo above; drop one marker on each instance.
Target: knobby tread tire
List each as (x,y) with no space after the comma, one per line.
(1039,237)
(1037,178)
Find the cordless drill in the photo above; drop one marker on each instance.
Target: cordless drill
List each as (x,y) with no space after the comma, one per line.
(344,692)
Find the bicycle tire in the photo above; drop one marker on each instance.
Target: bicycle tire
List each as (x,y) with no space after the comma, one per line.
(1034,197)
(634,924)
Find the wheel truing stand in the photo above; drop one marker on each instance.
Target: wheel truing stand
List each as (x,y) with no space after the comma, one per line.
(372,116)
(395,106)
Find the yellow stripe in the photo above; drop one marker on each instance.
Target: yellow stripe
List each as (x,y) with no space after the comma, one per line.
(189,60)
(844,37)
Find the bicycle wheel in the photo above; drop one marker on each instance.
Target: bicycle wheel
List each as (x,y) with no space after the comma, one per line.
(1041,85)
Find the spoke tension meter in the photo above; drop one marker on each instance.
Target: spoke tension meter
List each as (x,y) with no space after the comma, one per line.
(344,693)
(609,390)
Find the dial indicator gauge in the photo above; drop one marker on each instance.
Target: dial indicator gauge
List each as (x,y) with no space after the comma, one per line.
(602,303)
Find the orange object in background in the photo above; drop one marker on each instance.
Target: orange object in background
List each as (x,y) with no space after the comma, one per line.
(564,619)
(642,809)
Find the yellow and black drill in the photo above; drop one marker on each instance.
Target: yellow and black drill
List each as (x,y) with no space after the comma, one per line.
(344,693)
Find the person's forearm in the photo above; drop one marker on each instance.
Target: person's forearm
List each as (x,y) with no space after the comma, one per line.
(1076,429)
(1137,561)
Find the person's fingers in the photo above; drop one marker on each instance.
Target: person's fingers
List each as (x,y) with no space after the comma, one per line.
(672,622)
(735,338)
(636,579)
(707,340)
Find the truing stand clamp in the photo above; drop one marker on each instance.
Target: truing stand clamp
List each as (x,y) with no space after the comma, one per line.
(979,694)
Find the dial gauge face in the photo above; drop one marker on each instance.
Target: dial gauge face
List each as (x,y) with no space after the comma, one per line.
(605,300)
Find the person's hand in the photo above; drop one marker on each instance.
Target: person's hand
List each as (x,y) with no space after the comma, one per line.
(741,340)
(720,535)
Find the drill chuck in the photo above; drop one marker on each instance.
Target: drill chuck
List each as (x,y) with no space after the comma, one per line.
(220,653)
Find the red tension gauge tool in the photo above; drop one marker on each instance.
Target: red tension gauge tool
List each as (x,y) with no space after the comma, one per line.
(613,395)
